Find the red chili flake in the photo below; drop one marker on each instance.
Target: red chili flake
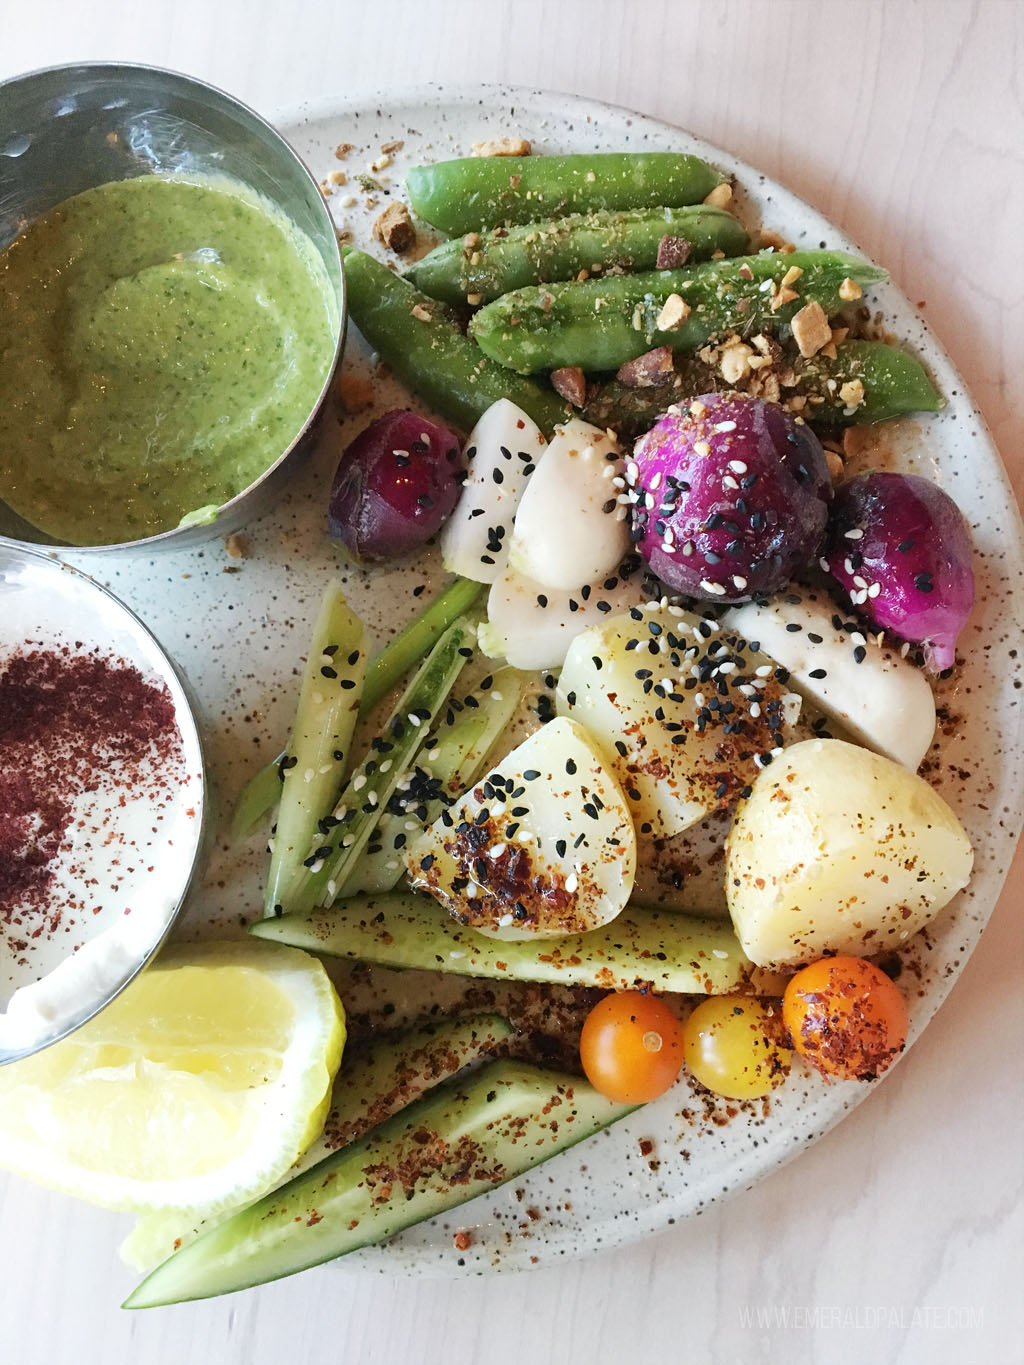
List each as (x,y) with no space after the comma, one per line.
(65,720)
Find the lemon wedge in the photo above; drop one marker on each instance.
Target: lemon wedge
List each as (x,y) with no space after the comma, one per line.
(198,1087)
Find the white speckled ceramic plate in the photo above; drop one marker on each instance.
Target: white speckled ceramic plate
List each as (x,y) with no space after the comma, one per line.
(239,628)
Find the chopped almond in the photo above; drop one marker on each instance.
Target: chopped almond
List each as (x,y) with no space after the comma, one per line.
(777,243)
(355,392)
(395,228)
(649,370)
(570,383)
(342,150)
(720,197)
(810,329)
(850,290)
(735,362)
(674,312)
(783,296)
(852,393)
(420,313)
(338,178)
(791,276)
(389,148)
(502,146)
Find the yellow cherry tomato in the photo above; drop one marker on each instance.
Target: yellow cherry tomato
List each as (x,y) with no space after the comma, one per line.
(730,1044)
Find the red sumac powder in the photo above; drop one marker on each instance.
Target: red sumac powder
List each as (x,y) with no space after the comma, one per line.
(65,719)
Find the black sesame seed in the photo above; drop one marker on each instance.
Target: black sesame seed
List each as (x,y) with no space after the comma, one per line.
(818,673)
(328,671)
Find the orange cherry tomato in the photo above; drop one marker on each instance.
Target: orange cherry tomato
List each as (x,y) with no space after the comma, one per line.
(631,1047)
(846,1017)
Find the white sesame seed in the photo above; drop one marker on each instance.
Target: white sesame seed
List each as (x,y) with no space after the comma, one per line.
(655,483)
(823,564)
(765,671)
(729,482)
(667,547)
(856,638)
(372,798)
(848,565)
(855,533)
(456,953)
(385,766)
(359,782)
(755,710)
(740,582)
(859,582)
(874,590)
(719,952)
(414,719)
(496,851)
(308,775)
(504,921)
(726,426)
(737,466)
(688,548)
(571,883)
(716,589)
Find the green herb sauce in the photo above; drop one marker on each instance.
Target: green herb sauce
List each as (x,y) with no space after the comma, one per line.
(162,342)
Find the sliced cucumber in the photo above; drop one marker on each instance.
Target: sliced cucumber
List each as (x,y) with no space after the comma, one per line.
(462,1140)
(451,760)
(663,951)
(318,751)
(373,783)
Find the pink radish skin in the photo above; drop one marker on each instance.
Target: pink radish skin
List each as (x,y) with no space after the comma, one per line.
(732,497)
(901,550)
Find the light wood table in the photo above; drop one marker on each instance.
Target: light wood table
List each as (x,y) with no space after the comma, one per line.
(898,1237)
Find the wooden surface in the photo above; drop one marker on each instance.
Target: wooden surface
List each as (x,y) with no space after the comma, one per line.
(897,1238)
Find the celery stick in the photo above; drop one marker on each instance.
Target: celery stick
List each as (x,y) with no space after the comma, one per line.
(371,786)
(325,718)
(451,761)
(263,791)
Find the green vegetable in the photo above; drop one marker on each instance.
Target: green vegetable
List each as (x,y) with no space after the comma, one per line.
(667,952)
(262,792)
(318,749)
(347,831)
(450,762)
(483,1130)
(483,191)
(414,641)
(393,1072)
(534,253)
(428,353)
(895,384)
(600,324)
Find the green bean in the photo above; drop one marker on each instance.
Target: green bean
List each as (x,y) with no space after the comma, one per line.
(895,385)
(600,324)
(482,191)
(484,267)
(415,336)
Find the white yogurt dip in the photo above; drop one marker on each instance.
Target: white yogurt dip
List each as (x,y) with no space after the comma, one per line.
(101,800)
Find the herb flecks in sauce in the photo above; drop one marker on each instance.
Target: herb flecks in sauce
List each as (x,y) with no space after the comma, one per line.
(163,342)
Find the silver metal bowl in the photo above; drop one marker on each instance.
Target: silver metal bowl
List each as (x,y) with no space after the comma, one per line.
(66,129)
(59,969)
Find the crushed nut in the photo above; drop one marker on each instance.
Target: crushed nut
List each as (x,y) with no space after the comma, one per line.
(342,150)
(420,313)
(237,545)
(389,148)
(773,240)
(649,370)
(720,197)
(735,362)
(674,312)
(810,329)
(474,300)
(471,240)
(382,162)
(850,290)
(570,383)
(782,296)
(338,178)
(395,228)
(745,272)
(791,276)
(852,393)
(835,464)
(501,146)
(355,393)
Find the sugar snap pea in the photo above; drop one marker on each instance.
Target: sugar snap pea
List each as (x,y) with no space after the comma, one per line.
(895,385)
(477,192)
(486,266)
(600,324)
(415,336)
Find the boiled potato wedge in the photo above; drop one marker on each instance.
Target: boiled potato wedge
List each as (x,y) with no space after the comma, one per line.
(839,850)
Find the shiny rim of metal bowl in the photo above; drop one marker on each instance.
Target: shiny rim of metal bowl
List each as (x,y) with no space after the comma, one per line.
(11,556)
(51,94)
